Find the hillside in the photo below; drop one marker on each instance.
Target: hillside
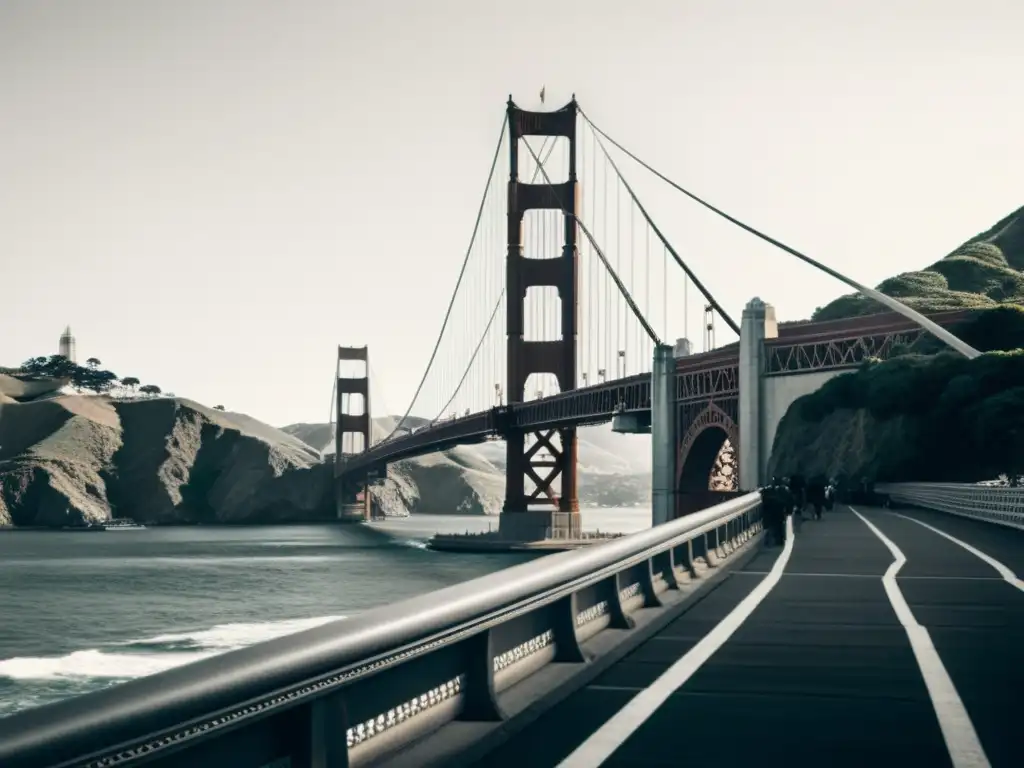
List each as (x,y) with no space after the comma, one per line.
(926,414)
(71,460)
(928,418)
(614,470)
(985,272)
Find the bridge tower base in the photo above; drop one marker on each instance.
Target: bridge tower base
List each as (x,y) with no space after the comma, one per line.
(352,494)
(546,457)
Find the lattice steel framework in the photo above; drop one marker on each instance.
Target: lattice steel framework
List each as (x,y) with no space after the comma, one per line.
(706,398)
(826,355)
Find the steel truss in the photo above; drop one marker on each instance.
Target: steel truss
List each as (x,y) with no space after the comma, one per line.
(784,359)
(552,463)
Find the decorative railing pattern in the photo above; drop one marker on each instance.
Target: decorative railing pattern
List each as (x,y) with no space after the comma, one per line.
(992,503)
(387,682)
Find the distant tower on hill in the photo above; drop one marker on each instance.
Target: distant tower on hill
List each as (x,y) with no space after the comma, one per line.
(67,345)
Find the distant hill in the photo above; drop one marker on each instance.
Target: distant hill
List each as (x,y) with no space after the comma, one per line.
(985,272)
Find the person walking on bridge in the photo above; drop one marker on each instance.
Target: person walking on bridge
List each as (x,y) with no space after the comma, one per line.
(816,494)
(776,502)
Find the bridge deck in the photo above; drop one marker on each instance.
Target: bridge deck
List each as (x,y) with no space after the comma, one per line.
(822,671)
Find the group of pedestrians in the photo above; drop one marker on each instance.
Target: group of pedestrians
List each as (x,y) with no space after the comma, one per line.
(791,496)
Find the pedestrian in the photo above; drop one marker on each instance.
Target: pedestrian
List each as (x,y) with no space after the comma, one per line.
(816,494)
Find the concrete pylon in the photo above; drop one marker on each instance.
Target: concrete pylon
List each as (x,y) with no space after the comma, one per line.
(664,452)
(757,325)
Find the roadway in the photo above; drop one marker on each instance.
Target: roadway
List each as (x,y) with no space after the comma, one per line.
(811,655)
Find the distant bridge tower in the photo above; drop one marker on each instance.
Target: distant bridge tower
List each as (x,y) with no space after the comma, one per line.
(546,460)
(66,347)
(352,436)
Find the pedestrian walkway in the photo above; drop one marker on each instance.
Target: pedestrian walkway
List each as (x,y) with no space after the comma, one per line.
(824,670)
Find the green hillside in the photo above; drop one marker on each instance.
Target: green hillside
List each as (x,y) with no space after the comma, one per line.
(985,272)
(926,414)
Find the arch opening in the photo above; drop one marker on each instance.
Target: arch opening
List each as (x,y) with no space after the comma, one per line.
(707,472)
(703,459)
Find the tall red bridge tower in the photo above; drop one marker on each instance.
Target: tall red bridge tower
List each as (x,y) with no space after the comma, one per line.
(546,458)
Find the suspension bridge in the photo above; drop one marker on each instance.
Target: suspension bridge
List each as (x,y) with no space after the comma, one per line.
(567,291)
(876,637)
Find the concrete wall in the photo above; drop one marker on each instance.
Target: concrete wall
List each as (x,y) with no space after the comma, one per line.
(780,392)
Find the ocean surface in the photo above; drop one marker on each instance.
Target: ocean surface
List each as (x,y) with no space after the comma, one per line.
(82,611)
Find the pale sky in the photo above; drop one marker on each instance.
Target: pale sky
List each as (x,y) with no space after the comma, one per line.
(214,194)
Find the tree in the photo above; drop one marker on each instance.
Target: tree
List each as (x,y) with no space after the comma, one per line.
(93,363)
(90,378)
(150,389)
(131,382)
(218,407)
(96,380)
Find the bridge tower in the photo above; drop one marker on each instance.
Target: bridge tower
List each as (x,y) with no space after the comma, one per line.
(542,460)
(352,492)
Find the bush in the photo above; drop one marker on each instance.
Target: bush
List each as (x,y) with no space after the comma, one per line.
(913,284)
(987,252)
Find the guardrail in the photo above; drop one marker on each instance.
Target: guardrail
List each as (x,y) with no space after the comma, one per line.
(383,685)
(991,503)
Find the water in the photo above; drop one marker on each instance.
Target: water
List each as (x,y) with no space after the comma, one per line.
(82,611)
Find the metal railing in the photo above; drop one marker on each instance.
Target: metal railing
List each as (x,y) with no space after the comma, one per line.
(991,503)
(382,686)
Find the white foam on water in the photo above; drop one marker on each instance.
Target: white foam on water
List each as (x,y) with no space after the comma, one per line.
(152,654)
(94,664)
(226,637)
(414,543)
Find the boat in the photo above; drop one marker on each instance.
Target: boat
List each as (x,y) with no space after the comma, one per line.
(123,524)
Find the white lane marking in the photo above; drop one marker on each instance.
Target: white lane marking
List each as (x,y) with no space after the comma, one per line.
(1008,575)
(962,741)
(610,736)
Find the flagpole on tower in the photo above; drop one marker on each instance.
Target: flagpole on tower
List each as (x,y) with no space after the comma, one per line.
(542,89)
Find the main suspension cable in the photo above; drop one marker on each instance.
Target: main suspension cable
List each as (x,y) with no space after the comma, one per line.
(462,272)
(643,211)
(732,219)
(497,305)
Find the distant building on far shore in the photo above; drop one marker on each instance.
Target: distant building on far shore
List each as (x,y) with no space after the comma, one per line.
(67,345)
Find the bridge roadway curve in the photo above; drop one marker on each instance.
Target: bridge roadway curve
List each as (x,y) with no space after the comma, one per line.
(822,671)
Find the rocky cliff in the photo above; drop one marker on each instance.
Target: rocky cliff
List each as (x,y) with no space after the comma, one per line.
(73,460)
(930,418)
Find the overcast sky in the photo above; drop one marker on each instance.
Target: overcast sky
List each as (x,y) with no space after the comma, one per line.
(203,189)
